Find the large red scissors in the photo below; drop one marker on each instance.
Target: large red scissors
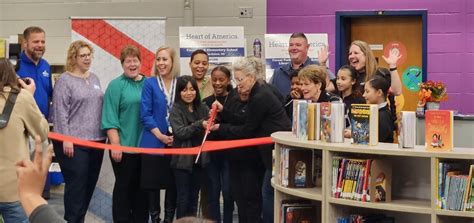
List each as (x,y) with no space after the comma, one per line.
(210,123)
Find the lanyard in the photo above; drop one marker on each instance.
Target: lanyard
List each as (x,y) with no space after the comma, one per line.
(169,94)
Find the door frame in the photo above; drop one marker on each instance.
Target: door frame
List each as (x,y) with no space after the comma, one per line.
(343,31)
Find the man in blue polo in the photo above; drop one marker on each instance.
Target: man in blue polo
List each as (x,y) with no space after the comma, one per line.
(298,50)
(32,65)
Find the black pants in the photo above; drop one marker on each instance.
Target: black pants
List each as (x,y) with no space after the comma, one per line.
(246,177)
(187,189)
(129,202)
(80,173)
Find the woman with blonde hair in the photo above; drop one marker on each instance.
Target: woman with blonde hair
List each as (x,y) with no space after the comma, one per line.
(362,59)
(25,119)
(77,110)
(158,96)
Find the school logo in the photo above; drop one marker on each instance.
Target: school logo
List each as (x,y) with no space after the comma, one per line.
(45,73)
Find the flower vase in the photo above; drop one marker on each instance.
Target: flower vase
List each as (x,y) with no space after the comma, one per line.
(432,105)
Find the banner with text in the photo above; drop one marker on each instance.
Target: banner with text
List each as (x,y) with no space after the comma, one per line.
(224,44)
(276,50)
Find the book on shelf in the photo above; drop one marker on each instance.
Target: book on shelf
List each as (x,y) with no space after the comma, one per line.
(298,211)
(297,168)
(300,119)
(407,129)
(470,194)
(364,124)
(367,218)
(454,186)
(314,118)
(361,179)
(317,169)
(439,130)
(332,122)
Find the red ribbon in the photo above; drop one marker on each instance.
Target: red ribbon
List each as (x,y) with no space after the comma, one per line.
(209,145)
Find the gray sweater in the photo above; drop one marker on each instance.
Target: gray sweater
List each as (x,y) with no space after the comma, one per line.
(77,107)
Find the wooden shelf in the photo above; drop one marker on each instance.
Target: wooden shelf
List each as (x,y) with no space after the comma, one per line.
(418,195)
(391,149)
(468,214)
(400,205)
(314,193)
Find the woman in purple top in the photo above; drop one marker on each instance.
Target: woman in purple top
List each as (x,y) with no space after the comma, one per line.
(77,109)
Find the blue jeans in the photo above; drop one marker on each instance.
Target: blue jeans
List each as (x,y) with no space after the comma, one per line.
(81,173)
(218,171)
(12,212)
(267,197)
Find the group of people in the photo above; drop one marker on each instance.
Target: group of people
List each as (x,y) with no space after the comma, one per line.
(172,110)
(361,81)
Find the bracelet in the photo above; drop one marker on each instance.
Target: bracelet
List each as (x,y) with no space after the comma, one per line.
(393,69)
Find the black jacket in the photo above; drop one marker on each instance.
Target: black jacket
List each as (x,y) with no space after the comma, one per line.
(187,132)
(265,115)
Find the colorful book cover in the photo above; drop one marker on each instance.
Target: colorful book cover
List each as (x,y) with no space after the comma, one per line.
(300,172)
(364,124)
(325,121)
(332,122)
(311,121)
(380,185)
(294,126)
(300,214)
(439,130)
(302,128)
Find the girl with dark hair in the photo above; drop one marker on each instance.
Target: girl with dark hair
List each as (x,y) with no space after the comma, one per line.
(348,89)
(295,93)
(187,119)
(218,169)
(376,91)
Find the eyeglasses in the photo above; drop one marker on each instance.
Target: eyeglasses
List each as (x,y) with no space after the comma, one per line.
(83,56)
(240,80)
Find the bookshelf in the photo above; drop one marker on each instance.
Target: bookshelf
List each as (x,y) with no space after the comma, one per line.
(413,182)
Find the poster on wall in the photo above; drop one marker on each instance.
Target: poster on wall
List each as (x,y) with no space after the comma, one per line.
(109,35)
(224,44)
(276,49)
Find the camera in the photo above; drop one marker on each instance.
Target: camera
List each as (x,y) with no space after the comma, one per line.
(26,80)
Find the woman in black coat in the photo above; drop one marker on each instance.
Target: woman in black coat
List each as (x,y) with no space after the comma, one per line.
(266,116)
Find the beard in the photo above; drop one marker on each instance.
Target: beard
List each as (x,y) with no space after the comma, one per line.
(35,54)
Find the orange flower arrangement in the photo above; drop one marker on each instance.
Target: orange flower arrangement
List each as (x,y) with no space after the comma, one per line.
(432,91)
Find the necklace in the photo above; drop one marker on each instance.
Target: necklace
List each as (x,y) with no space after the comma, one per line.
(225,100)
